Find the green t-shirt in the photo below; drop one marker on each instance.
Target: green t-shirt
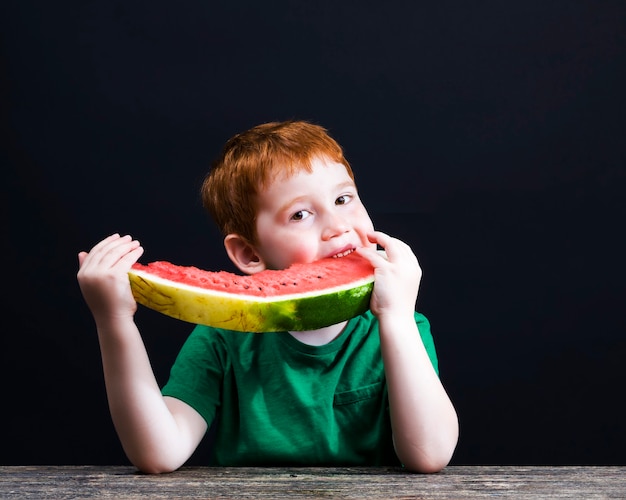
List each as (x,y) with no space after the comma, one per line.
(281,402)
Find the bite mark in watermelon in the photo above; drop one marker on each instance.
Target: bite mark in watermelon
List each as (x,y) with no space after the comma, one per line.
(302,297)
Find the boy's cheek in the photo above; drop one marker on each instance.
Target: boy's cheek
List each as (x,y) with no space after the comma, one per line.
(366,221)
(304,254)
(294,255)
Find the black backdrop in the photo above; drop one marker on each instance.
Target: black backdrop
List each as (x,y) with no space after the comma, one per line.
(489,136)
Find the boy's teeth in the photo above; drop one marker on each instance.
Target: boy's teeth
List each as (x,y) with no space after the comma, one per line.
(343,254)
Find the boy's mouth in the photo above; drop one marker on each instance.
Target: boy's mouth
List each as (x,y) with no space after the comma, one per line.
(343,253)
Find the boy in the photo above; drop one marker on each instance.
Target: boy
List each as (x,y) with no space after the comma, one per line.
(362,392)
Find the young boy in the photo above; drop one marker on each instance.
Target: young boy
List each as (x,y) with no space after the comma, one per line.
(362,392)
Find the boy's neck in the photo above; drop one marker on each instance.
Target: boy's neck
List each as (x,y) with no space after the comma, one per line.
(321,336)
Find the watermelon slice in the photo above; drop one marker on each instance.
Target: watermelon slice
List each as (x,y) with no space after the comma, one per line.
(302,297)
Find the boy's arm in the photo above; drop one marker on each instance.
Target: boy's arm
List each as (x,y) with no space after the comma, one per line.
(158,434)
(423,419)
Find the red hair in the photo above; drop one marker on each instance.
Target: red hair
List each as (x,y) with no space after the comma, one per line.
(251,160)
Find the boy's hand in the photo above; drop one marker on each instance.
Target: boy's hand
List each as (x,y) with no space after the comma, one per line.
(103,277)
(397,277)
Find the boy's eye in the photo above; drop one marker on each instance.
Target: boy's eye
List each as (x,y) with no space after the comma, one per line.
(342,200)
(300,215)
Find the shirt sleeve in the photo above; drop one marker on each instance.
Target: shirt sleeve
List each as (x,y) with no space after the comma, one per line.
(423,325)
(196,375)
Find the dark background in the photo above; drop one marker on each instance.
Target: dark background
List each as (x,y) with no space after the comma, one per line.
(490,136)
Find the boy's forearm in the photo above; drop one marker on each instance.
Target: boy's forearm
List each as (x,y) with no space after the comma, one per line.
(424,421)
(145,426)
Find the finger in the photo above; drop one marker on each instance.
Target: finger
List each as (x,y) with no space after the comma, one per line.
(81,258)
(103,243)
(110,250)
(376,257)
(98,247)
(383,240)
(378,237)
(117,253)
(393,247)
(131,257)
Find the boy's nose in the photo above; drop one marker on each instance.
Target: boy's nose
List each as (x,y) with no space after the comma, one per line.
(335,226)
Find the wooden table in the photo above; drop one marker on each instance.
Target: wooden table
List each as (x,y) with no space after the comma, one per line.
(455,482)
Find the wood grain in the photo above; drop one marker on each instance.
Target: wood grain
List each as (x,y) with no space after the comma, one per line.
(457,482)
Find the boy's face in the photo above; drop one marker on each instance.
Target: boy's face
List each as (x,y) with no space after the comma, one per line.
(309,216)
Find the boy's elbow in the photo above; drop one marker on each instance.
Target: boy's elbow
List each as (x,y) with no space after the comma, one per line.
(425,465)
(152,463)
(427,460)
(153,467)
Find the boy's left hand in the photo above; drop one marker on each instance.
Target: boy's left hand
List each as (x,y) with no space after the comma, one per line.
(396,278)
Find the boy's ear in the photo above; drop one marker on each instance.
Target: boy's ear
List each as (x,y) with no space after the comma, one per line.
(243,254)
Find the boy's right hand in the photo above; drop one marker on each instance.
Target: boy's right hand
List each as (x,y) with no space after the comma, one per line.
(103,277)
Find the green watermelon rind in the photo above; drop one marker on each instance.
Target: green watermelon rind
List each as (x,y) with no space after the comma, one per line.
(319,311)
